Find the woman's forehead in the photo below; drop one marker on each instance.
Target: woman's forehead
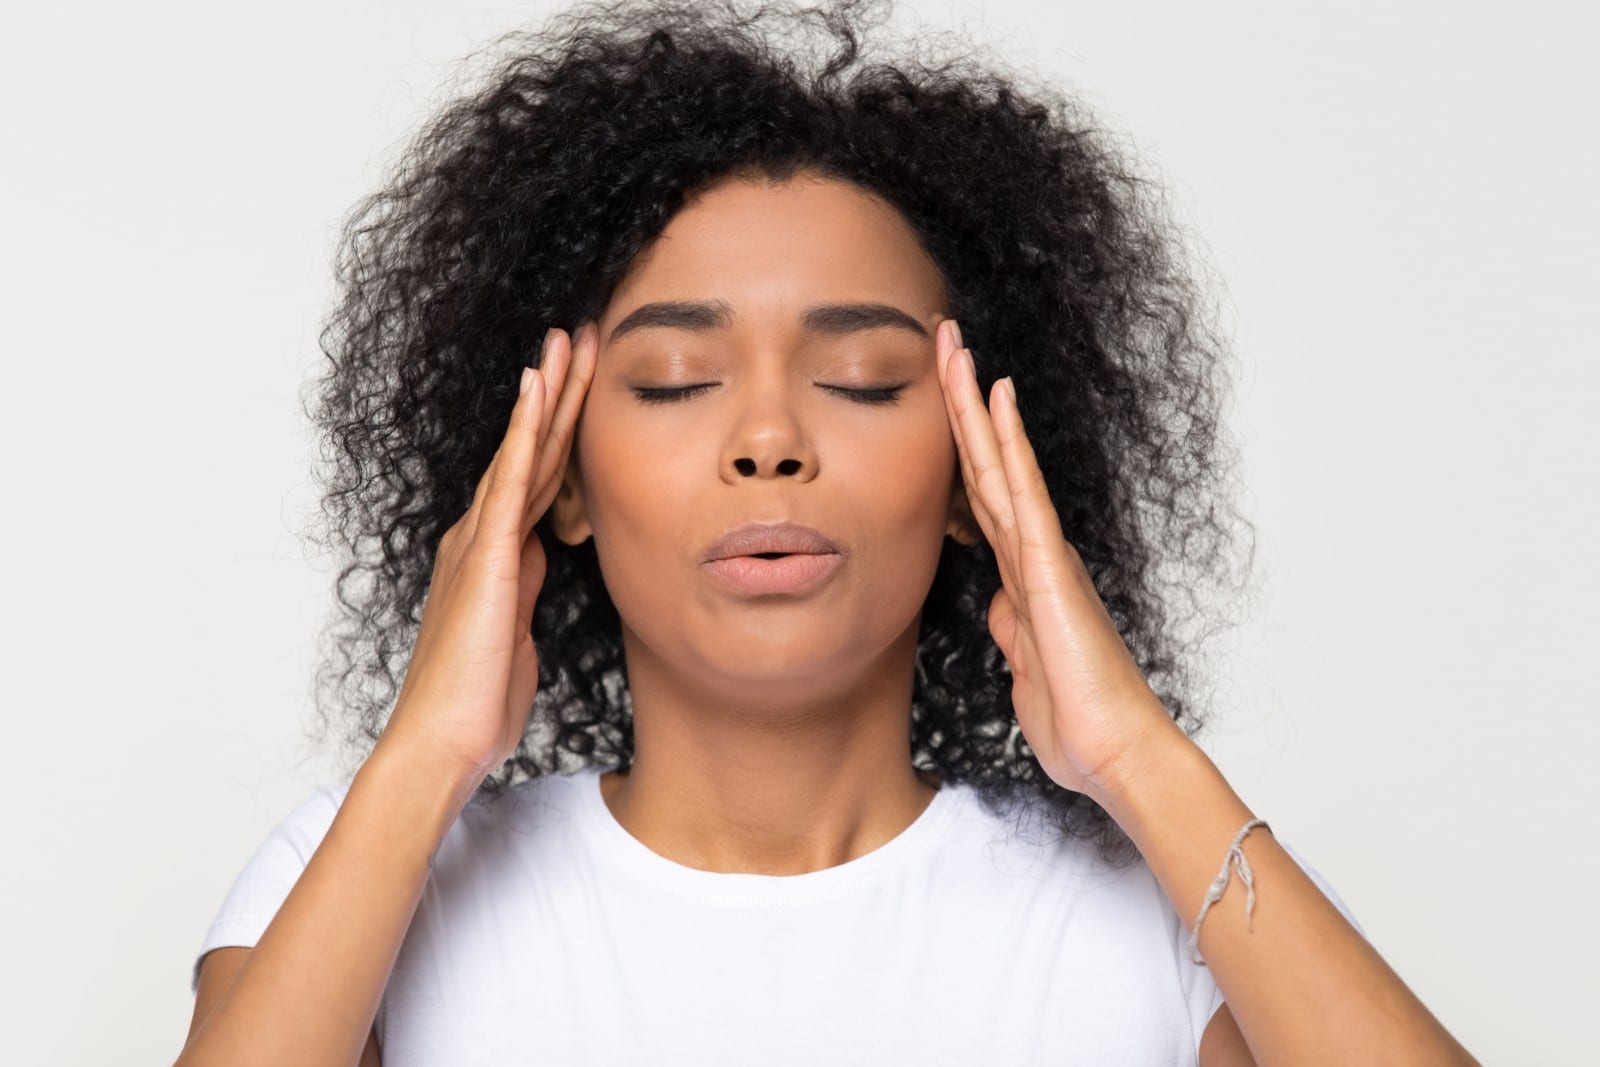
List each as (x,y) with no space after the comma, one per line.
(754,248)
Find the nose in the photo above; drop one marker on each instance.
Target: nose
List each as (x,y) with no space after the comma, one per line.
(767,440)
(749,468)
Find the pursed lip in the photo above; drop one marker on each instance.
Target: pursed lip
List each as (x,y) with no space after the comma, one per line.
(753,538)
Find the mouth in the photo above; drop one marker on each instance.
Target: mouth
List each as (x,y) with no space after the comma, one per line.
(769,541)
(775,573)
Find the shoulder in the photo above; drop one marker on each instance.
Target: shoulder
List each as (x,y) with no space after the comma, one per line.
(543,813)
(1017,855)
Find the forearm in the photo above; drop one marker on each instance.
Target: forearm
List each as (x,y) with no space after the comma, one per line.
(309,990)
(1303,985)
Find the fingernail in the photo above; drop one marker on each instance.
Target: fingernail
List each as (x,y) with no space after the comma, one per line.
(1011,390)
(544,346)
(527,380)
(955,332)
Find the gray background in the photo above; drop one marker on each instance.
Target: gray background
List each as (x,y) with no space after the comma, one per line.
(1400,199)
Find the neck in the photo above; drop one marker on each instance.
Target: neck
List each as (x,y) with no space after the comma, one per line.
(736,776)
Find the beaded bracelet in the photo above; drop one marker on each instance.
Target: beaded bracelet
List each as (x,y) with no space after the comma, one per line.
(1235,854)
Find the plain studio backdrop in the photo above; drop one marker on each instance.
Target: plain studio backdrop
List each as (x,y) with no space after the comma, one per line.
(1398,197)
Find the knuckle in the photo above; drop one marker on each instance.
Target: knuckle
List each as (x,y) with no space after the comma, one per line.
(487,556)
(505,481)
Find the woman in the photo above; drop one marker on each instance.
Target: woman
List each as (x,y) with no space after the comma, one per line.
(830,546)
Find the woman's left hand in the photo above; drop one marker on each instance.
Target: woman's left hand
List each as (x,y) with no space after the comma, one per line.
(1082,702)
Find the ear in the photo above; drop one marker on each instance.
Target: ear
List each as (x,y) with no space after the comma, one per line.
(962,526)
(569,517)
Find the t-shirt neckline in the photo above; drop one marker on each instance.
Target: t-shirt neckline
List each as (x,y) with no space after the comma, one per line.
(614,840)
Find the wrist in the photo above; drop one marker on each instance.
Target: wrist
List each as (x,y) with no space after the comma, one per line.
(427,773)
(1160,758)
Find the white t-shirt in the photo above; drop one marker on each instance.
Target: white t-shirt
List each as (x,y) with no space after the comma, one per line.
(547,934)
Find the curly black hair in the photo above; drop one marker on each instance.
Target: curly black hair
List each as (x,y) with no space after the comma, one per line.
(521,203)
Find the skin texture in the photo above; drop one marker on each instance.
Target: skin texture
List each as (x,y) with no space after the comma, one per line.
(772,734)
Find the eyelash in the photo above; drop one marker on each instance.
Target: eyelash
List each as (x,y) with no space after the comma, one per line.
(885,395)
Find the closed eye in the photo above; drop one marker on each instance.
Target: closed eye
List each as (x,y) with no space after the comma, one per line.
(887,394)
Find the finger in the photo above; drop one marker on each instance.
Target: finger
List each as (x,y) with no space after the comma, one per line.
(968,477)
(946,348)
(469,520)
(986,520)
(1038,524)
(553,365)
(554,358)
(507,495)
(565,406)
(474,513)
(1004,625)
(557,445)
(530,577)
(1029,545)
(986,470)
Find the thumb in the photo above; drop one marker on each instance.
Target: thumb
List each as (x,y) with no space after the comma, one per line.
(1003,624)
(530,576)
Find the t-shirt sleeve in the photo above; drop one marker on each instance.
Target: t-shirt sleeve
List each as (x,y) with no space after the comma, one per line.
(264,883)
(1203,994)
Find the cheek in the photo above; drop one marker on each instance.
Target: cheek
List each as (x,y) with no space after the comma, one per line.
(633,496)
(907,469)
(903,495)
(629,470)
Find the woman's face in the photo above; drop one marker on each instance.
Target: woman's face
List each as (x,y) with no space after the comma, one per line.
(768,433)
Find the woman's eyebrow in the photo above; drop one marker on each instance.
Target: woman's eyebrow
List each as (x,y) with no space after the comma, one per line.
(717,314)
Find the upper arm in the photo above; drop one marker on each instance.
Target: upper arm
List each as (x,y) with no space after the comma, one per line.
(1223,1045)
(217,972)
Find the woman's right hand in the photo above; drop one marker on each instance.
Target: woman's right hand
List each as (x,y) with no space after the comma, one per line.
(470,685)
